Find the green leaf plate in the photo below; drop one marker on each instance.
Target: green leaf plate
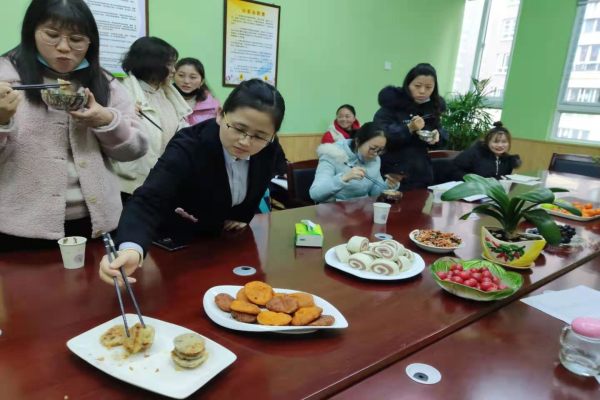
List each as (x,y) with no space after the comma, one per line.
(511,279)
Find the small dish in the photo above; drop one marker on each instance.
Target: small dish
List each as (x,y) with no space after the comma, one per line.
(426,136)
(64,99)
(390,196)
(434,249)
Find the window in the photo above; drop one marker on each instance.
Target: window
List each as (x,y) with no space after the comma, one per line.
(578,110)
(486,46)
(502,61)
(508,28)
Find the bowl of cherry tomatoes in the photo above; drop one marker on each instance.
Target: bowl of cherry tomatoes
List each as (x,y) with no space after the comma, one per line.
(479,280)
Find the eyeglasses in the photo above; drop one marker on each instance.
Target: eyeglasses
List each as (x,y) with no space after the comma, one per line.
(376,151)
(256,140)
(53,38)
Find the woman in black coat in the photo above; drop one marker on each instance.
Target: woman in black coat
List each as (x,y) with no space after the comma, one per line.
(405,110)
(211,177)
(488,157)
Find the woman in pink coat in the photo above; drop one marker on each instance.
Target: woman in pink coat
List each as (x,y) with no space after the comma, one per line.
(55,175)
(190,81)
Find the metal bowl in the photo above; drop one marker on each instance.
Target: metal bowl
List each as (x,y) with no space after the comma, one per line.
(390,196)
(426,136)
(64,99)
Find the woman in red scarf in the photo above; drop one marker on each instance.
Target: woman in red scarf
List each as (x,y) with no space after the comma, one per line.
(344,123)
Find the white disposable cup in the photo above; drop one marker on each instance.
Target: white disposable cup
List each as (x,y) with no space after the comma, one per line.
(381,212)
(72,250)
(506,185)
(437,194)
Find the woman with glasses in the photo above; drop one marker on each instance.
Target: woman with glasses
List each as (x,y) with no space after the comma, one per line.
(55,178)
(406,111)
(149,64)
(349,169)
(211,177)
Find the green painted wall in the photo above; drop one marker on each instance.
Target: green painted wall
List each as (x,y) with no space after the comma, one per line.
(331,51)
(537,67)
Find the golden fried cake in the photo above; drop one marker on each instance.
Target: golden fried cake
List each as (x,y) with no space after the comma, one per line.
(115,336)
(139,339)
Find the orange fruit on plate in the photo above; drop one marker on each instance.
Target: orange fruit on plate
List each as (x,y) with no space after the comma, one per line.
(589,206)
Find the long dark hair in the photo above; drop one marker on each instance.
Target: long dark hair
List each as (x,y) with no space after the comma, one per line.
(424,69)
(260,96)
(147,59)
(75,15)
(199,67)
(365,133)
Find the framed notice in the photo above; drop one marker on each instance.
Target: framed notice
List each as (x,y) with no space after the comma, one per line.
(120,22)
(251,42)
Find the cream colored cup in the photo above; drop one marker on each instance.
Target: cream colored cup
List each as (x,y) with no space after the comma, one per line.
(72,249)
(381,212)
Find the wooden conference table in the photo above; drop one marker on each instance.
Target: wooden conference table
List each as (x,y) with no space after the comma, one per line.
(42,305)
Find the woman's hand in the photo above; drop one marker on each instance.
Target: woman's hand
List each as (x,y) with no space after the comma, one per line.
(391,182)
(416,124)
(93,115)
(354,173)
(9,101)
(128,259)
(436,138)
(234,225)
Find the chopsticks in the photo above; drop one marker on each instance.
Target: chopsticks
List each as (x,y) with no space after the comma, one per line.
(369,178)
(426,116)
(148,118)
(40,86)
(111,252)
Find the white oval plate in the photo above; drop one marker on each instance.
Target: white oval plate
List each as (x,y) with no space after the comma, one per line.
(433,249)
(569,216)
(417,267)
(226,320)
(153,369)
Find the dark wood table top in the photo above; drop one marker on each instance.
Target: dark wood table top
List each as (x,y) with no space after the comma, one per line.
(42,305)
(509,354)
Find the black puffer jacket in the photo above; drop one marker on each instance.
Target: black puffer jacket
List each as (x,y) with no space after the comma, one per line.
(406,152)
(480,160)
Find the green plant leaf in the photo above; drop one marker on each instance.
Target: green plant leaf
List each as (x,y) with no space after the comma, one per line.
(538,196)
(492,188)
(485,210)
(545,224)
(570,208)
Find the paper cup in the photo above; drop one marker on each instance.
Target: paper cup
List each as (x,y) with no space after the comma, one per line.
(506,185)
(381,212)
(437,195)
(72,250)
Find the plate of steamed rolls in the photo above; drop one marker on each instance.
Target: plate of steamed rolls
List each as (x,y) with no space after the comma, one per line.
(386,260)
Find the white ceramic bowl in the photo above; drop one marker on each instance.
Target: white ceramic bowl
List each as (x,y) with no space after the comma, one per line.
(434,249)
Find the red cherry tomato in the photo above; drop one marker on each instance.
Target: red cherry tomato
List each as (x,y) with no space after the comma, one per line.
(486,285)
(478,286)
(502,287)
(496,280)
(459,267)
(487,274)
(448,279)
(442,274)
(474,270)
(492,288)
(457,279)
(477,276)
(453,267)
(482,269)
(464,275)
(485,279)
(471,282)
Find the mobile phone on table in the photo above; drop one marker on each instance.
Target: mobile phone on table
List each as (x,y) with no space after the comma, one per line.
(169,244)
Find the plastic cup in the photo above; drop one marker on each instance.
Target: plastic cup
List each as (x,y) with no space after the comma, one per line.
(437,195)
(72,250)
(506,185)
(381,212)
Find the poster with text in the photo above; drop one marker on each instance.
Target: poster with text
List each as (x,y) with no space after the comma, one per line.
(251,42)
(120,23)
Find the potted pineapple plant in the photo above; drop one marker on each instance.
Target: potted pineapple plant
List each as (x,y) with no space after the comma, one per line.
(505,244)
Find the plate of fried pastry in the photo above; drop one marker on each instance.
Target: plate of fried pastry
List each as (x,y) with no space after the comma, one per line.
(257,307)
(163,358)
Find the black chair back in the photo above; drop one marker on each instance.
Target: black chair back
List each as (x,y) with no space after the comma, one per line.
(301,175)
(441,161)
(575,164)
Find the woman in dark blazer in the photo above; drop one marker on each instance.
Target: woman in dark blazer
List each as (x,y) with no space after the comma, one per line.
(210,178)
(414,106)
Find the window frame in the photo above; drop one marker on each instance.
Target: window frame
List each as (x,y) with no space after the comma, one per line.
(573,107)
(492,101)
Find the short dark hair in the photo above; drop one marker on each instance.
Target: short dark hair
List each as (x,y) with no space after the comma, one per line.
(498,129)
(198,66)
(76,15)
(260,96)
(424,69)
(349,107)
(148,57)
(366,132)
